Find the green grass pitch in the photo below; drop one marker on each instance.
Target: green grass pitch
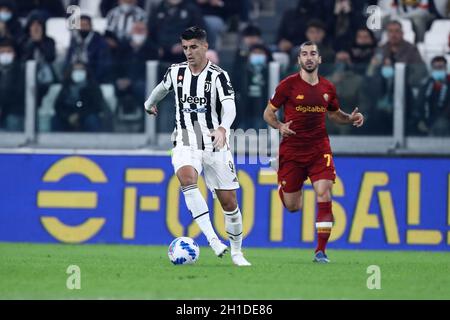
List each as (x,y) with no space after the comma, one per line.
(38,271)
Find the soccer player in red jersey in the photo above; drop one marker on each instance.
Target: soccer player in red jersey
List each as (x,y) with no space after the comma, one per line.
(305,149)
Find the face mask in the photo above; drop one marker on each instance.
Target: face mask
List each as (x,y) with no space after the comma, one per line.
(6,58)
(126,7)
(439,75)
(387,72)
(138,38)
(83,34)
(5,16)
(257,59)
(79,76)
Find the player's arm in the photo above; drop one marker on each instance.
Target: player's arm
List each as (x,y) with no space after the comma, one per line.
(225,93)
(271,118)
(229,114)
(157,94)
(356,118)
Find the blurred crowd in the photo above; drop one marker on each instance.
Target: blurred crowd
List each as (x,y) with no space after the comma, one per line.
(358,60)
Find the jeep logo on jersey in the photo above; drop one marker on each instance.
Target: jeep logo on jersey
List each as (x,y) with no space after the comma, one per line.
(193,100)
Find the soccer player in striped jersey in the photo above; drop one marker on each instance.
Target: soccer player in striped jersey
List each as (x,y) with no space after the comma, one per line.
(305,150)
(204,112)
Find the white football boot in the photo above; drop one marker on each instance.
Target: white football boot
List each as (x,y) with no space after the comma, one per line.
(218,247)
(239,260)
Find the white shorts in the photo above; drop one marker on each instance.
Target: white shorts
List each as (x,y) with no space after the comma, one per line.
(220,173)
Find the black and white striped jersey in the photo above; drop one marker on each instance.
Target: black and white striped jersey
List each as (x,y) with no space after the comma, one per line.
(120,22)
(198,103)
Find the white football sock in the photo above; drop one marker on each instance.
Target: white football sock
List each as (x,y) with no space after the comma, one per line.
(199,210)
(233,226)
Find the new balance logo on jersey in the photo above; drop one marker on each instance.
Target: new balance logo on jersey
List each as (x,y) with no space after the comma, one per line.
(199,110)
(193,100)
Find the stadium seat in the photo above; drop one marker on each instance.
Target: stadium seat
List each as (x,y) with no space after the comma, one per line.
(57,29)
(282,58)
(99,25)
(429,51)
(109,94)
(91,8)
(47,110)
(435,38)
(440,26)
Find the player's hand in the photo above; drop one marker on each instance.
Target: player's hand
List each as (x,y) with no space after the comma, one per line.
(357,118)
(153,111)
(285,131)
(219,137)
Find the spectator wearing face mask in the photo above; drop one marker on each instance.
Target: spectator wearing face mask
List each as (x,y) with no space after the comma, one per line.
(250,36)
(253,90)
(363,50)
(12,88)
(382,93)
(121,20)
(10,27)
(379,88)
(91,48)
(130,71)
(431,115)
(79,103)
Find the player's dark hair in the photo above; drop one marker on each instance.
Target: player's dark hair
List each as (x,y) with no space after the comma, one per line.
(307,44)
(439,59)
(194,33)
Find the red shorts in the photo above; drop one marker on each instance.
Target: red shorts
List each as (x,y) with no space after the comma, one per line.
(292,173)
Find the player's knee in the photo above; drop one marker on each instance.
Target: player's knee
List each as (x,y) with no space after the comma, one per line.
(293,207)
(323,195)
(188,181)
(229,206)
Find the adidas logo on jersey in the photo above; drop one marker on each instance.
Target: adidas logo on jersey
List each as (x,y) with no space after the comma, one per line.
(193,100)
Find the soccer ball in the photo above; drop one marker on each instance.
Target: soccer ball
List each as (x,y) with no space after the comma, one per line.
(183,250)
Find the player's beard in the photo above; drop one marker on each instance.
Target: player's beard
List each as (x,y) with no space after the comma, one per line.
(309,70)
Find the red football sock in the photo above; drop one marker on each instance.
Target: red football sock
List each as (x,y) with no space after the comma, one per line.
(324,223)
